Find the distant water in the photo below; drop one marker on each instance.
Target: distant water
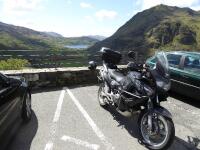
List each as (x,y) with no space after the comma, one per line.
(77,46)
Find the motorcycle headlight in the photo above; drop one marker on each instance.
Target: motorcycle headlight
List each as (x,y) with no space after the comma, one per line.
(164,85)
(167,86)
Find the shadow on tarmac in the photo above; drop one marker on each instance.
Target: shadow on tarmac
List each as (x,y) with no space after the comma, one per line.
(45,90)
(23,136)
(130,124)
(185,99)
(51,89)
(177,96)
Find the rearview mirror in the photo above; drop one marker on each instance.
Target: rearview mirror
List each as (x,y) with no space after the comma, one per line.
(132,54)
(92,65)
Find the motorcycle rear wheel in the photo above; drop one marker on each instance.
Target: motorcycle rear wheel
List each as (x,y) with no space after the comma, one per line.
(101,97)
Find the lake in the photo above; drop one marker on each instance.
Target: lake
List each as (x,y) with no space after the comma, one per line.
(77,46)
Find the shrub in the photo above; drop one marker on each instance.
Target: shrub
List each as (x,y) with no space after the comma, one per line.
(13,64)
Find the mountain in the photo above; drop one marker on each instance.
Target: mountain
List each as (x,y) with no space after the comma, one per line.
(97,37)
(54,34)
(84,40)
(160,27)
(20,38)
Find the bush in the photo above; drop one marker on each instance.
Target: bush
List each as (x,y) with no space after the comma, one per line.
(13,64)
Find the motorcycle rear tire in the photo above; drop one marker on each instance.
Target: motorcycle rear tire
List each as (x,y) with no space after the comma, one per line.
(101,101)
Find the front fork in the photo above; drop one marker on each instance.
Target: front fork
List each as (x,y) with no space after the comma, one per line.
(151,114)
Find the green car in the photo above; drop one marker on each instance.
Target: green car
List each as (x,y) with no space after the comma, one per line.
(184,71)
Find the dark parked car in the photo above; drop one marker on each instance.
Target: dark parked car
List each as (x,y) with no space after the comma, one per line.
(184,71)
(15,101)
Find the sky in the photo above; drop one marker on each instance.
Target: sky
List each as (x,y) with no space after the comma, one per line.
(79,17)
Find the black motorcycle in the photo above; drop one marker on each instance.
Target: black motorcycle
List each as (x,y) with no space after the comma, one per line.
(141,88)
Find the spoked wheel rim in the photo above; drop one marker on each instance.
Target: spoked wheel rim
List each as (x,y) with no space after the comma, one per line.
(158,137)
(28,105)
(101,97)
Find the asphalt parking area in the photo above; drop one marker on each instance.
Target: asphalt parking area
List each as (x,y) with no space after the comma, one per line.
(71,119)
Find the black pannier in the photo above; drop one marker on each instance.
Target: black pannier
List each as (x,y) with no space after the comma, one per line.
(110,56)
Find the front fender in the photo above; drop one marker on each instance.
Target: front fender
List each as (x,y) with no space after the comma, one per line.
(162,111)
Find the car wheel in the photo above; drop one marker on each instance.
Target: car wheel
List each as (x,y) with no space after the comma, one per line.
(26,108)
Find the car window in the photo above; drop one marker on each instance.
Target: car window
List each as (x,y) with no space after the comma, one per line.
(153,59)
(151,62)
(174,60)
(192,64)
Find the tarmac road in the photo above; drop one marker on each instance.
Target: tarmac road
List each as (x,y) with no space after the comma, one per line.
(71,119)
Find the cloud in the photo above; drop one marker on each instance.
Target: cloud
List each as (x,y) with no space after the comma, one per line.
(89,19)
(20,6)
(145,4)
(105,14)
(85,5)
(69,2)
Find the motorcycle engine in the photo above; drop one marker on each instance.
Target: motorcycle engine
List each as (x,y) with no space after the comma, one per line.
(115,97)
(114,84)
(115,93)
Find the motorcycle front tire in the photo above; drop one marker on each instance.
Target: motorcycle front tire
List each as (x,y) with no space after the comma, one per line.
(170,136)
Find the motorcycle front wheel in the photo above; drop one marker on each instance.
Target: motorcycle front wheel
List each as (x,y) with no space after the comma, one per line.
(162,134)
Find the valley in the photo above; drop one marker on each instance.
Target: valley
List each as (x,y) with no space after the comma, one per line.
(161,27)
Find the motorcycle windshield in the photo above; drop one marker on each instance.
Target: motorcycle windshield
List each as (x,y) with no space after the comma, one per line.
(161,71)
(162,65)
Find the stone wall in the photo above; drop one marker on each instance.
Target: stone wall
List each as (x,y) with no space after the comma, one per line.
(56,77)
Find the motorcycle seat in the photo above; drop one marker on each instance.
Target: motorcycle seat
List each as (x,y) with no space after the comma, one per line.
(116,75)
(123,80)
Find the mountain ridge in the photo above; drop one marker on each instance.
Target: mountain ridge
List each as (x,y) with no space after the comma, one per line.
(160,27)
(16,37)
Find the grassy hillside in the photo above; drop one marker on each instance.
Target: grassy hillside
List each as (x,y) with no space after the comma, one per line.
(14,37)
(160,27)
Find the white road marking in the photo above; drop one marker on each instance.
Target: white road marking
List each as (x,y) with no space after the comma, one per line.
(49,145)
(80,142)
(59,106)
(91,122)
